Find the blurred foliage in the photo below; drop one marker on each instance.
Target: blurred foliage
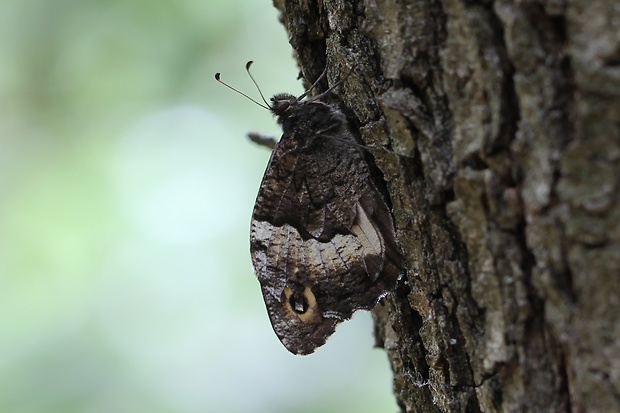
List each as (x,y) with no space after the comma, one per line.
(126,188)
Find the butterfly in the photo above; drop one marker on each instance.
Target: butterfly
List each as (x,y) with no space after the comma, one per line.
(322,237)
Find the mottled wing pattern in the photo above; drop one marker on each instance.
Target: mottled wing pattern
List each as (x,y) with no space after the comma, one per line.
(322,237)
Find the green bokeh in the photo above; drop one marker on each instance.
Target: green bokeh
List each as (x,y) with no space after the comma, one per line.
(126,187)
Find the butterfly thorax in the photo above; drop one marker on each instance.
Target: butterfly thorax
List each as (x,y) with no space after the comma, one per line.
(305,120)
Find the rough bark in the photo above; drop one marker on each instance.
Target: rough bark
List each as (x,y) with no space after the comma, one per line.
(501,124)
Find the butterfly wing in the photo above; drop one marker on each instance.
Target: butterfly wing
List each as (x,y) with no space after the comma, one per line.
(322,239)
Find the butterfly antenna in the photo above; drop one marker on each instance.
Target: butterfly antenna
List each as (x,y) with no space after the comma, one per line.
(247,69)
(338,83)
(217,77)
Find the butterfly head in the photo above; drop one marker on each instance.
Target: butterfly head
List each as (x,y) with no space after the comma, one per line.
(281,104)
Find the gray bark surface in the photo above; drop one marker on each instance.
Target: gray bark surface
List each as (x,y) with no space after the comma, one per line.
(500,122)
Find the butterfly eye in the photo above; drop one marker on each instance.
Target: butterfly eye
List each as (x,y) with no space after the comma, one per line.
(280,105)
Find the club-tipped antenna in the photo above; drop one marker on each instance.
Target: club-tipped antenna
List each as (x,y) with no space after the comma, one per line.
(247,69)
(217,77)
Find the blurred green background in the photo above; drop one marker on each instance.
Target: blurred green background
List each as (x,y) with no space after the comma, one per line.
(126,188)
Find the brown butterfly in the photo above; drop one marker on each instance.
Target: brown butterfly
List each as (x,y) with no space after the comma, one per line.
(322,237)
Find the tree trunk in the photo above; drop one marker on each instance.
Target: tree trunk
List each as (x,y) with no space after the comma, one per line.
(501,124)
